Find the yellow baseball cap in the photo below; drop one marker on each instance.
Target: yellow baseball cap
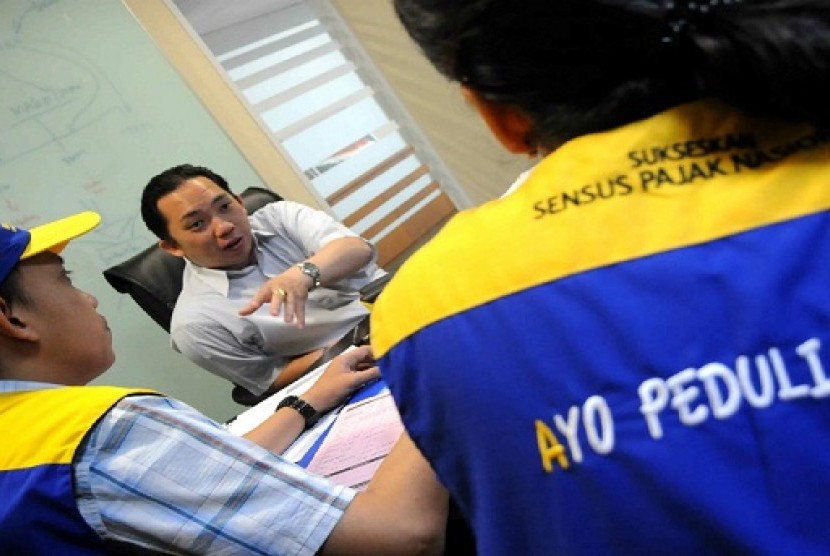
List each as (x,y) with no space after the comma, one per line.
(17,244)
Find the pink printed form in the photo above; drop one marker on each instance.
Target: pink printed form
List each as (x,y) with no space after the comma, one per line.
(360,438)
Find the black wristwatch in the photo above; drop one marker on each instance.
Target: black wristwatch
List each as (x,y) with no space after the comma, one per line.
(312,271)
(304,408)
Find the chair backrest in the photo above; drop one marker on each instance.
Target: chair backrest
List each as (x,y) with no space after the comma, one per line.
(153,277)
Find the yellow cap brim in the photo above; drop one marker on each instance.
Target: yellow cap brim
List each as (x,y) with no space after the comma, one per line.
(55,235)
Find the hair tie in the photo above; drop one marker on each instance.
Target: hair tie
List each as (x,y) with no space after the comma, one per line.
(683,16)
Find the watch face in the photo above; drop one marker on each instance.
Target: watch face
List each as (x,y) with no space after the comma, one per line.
(311,270)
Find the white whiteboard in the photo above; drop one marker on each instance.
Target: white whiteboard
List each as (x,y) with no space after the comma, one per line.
(89,110)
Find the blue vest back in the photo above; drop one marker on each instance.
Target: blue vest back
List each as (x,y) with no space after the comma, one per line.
(628,354)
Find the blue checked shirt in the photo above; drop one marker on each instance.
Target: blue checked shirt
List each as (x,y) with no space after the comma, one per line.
(158,474)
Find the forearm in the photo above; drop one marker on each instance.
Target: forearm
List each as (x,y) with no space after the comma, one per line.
(279,431)
(344,375)
(402,511)
(338,259)
(341,258)
(296,368)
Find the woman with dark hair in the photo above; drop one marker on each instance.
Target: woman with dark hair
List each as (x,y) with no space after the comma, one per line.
(627,354)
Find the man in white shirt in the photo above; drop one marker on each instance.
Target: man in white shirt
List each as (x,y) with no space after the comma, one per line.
(263,294)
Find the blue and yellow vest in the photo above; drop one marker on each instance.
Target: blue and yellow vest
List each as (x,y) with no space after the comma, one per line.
(629,354)
(42,430)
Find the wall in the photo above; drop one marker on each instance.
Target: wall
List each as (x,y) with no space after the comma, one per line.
(89,110)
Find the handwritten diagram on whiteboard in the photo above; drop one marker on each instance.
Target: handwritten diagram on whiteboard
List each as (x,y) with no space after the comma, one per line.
(89,111)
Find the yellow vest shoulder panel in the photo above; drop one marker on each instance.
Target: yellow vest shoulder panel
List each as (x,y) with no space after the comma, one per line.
(45,426)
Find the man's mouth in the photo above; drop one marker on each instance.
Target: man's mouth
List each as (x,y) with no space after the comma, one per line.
(233,244)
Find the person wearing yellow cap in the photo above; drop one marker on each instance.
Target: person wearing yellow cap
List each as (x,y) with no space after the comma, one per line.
(98,469)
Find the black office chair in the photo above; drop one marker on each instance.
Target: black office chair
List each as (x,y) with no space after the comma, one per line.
(153,278)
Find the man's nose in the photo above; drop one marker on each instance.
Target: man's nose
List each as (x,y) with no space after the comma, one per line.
(222,227)
(92,299)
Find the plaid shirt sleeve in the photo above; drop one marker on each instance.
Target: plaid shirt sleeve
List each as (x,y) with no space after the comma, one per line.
(158,474)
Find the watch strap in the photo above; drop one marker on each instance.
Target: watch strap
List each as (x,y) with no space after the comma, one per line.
(312,271)
(309,414)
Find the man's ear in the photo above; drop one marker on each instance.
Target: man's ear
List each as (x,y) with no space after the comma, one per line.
(13,326)
(171,247)
(511,126)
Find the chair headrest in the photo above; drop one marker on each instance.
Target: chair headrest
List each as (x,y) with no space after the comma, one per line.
(153,278)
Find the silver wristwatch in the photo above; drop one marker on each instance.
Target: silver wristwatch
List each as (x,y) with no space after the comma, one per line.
(312,271)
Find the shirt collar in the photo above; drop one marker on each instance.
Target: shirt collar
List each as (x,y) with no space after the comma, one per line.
(217,279)
(25,385)
(214,278)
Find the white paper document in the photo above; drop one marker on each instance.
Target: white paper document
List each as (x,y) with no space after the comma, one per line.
(361,437)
